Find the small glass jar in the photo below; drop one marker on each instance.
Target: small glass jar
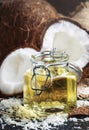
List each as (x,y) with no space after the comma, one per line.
(51,84)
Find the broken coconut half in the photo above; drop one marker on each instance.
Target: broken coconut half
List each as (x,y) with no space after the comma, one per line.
(68,36)
(12,71)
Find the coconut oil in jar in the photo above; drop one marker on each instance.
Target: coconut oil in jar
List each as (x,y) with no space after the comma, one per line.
(51,84)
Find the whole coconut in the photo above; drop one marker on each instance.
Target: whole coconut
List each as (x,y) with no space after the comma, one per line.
(22,23)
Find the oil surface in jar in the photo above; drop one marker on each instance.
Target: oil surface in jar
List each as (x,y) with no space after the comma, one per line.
(60,95)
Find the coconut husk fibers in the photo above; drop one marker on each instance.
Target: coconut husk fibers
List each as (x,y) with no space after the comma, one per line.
(22,24)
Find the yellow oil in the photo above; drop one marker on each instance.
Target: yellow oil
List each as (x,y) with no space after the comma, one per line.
(59,96)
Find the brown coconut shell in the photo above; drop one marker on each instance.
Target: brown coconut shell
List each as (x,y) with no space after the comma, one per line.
(22,24)
(80,111)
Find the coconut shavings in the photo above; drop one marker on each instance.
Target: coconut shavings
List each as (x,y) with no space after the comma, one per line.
(15,114)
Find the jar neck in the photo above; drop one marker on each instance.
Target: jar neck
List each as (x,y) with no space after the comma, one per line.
(50,57)
(60,56)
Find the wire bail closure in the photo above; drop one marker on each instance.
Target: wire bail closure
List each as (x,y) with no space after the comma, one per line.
(35,83)
(42,76)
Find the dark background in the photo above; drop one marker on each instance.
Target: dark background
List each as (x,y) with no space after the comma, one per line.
(65,6)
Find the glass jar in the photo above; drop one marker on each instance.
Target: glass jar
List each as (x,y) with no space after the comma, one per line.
(51,84)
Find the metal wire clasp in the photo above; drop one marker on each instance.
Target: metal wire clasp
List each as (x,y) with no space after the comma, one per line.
(41,79)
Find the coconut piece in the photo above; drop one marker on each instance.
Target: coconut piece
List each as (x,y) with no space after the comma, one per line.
(12,71)
(22,24)
(80,111)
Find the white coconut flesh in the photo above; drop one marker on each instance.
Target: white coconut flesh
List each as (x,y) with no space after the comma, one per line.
(12,71)
(68,37)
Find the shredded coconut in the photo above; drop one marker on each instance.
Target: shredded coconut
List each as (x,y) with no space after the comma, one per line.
(82,103)
(51,122)
(12,104)
(73,119)
(84,90)
(86,119)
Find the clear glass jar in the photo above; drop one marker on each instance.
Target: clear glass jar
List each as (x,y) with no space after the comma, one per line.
(51,83)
